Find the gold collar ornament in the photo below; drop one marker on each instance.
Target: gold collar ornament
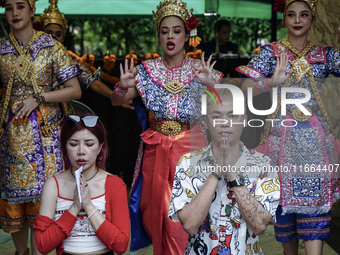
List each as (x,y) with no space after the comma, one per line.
(300,65)
(52,15)
(300,68)
(174,86)
(22,67)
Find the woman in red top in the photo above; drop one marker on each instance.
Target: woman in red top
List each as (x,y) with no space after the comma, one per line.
(98,225)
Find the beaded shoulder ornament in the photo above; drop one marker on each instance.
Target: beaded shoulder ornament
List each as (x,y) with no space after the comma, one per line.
(179,9)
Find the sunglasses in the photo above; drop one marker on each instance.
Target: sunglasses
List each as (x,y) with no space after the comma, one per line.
(89,121)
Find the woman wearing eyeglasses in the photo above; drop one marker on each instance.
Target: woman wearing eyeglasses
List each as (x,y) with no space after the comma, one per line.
(98,225)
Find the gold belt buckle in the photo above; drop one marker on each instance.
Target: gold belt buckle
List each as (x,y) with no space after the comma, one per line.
(300,116)
(171,128)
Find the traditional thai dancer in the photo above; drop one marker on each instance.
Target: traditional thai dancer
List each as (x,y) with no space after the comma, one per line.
(167,93)
(304,144)
(53,22)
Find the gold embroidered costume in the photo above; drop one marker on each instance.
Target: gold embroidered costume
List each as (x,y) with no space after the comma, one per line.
(30,149)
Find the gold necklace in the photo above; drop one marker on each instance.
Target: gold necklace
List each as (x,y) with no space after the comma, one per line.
(174,86)
(300,65)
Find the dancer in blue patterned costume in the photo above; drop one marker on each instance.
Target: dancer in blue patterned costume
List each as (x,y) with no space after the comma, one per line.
(306,197)
(167,94)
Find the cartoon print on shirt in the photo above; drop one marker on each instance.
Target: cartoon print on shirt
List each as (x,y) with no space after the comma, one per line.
(223,247)
(214,230)
(223,231)
(205,227)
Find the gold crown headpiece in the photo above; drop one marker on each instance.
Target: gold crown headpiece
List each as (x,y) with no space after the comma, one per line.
(179,9)
(30,2)
(171,8)
(52,15)
(281,5)
(312,4)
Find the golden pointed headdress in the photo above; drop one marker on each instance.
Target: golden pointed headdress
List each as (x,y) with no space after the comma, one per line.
(179,9)
(171,8)
(52,15)
(281,5)
(312,4)
(31,3)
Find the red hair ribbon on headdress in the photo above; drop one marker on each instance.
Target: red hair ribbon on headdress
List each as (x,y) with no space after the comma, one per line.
(279,6)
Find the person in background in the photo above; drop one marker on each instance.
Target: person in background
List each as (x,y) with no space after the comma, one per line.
(221,43)
(305,142)
(30,118)
(99,224)
(53,22)
(223,195)
(167,97)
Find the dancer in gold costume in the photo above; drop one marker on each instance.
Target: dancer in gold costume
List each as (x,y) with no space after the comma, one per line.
(30,118)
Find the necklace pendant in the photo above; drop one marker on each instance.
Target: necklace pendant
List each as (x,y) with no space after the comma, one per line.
(174,86)
(300,67)
(22,66)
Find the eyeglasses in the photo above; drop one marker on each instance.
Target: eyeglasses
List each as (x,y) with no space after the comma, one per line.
(89,121)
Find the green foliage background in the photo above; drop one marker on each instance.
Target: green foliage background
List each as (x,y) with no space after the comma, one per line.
(120,36)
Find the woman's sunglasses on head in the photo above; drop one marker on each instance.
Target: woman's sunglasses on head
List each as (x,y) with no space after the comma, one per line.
(89,121)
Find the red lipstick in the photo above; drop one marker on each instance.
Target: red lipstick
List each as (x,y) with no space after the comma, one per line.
(170,46)
(16,20)
(297,28)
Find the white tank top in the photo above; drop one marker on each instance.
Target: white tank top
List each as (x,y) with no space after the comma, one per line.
(82,238)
